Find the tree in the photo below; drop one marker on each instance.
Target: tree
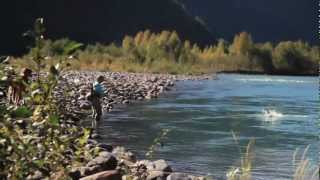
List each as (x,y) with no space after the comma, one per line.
(128,43)
(242,44)
(187,45)
(174,45)
(221,48)
(163,38)
(289,57)
(145,37)
(138,38)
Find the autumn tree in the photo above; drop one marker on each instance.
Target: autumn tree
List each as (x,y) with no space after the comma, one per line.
(242,44)
(221,48)
(128,43)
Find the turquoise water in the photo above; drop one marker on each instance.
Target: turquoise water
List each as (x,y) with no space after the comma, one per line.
(202,114)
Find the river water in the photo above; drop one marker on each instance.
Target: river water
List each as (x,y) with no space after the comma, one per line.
(279,112)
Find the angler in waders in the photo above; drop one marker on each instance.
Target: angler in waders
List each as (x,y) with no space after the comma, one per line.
(97,92)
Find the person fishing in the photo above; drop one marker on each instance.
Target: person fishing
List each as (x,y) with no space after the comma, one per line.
(97,92)
(18,87)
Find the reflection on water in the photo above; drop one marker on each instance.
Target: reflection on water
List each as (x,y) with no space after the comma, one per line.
(279,112)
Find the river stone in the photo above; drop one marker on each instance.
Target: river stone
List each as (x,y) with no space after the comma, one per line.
(95,136)
(89,146)
(75,173)
(156,175)
(107,147)
(122,153)
(181,176)
(37,175)
(126,163)
(106,162)
(159,165)
(87,171)
(106,175)
(140,98)
(161,89)
(143,162)
(22,123)
(92,141)
(154,79)
(85,105)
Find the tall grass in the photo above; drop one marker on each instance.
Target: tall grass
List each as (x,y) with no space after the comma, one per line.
(304,170)
(244,171)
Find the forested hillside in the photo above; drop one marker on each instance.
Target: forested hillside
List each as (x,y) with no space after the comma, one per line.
(95,20)
(266,20)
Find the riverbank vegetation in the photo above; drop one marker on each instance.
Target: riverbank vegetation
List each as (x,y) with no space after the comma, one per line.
(165,52)
(37,140)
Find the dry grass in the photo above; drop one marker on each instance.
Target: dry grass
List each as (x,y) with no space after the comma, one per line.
(105,62)
(244,171)
(304,170)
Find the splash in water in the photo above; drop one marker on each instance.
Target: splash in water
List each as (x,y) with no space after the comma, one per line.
(271,114)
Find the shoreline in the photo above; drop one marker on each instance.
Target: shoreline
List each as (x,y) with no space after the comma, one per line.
(266,73)
(124,89)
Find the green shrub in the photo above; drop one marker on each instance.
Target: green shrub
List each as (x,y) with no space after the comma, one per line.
(21,112)
(293,57)
(44,144)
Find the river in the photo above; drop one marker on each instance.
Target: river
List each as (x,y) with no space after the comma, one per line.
(279,112)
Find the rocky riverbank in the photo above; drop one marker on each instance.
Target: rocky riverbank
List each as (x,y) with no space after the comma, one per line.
(119,164)
(121,88)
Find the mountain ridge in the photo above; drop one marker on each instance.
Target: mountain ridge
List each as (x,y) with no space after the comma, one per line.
(266,20)
(97,21)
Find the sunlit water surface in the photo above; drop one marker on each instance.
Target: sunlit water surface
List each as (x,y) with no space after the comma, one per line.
(279,112)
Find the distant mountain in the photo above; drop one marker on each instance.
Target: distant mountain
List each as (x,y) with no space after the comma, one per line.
(266,20)
(91,21)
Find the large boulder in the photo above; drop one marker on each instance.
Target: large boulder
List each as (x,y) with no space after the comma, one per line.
(105,161)
(156,175)
(159,165)
(122,153)
(156,170)
(105,175)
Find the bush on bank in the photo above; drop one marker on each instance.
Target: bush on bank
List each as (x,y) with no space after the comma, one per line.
(34,139)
